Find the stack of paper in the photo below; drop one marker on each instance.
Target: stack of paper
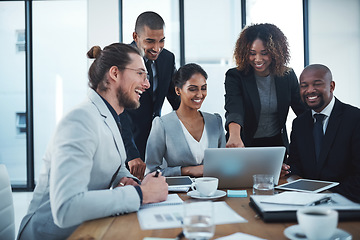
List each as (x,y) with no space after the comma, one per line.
(294,198)
(172,199)
(161,217)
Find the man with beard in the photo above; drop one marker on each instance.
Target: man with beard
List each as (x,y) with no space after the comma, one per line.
(325,140)
(84,175)
(149,38)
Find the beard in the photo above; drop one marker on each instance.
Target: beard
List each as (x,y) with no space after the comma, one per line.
(125,100)
(317,106)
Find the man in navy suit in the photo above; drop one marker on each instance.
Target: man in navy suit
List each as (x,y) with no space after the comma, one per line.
(160,63)
(338,157)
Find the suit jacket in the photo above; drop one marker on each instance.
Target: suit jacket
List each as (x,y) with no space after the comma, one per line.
(80,161)
(339,159)
(141,118)
(242,102)
(167,140)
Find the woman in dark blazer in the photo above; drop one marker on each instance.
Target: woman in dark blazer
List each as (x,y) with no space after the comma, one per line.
(260,90)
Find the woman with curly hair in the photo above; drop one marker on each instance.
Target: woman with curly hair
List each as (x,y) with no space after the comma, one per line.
(260,90)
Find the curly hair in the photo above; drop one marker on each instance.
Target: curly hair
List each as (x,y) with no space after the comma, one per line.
(274,41)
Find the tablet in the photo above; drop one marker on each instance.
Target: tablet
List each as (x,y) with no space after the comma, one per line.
(181,181)
(307,185)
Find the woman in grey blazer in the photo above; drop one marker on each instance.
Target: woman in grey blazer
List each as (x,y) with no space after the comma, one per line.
(180,137)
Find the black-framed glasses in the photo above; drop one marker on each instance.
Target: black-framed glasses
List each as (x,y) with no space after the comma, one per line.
(143,74)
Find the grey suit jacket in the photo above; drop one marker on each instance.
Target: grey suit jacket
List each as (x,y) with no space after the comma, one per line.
(167,140)
(80,161)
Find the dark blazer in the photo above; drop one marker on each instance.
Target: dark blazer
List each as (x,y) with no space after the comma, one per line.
(339,158)
(141,118)
(242,99)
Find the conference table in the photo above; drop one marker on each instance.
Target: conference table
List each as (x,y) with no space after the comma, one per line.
(127,226)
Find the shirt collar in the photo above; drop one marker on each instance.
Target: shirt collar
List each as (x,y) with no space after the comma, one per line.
(111,109)
(327,110)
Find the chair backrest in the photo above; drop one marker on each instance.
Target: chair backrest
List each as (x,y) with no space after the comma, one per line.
(7,221)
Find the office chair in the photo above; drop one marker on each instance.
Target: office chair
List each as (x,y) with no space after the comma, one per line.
(7,219)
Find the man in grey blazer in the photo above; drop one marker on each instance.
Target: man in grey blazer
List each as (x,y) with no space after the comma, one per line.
(84,175)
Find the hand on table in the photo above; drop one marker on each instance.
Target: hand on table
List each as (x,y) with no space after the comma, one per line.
(194,171)
(127,181)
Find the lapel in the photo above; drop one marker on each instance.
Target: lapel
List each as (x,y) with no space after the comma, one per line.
(253,92)
(182,143)
(160,91)
(307,143)
(109,122)
(330,134)
(211,127)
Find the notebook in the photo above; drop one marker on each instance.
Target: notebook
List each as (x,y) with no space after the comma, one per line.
(234,167)
(270,212)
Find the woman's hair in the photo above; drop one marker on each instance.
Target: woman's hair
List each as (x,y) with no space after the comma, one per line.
(185,73)
(116,54)
(274,41)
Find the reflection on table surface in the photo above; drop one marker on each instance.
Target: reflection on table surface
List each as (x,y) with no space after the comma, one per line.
(127,226)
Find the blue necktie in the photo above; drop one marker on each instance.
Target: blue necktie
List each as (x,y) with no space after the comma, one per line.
(318,133)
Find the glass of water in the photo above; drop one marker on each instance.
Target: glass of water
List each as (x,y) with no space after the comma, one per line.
(263,184)
(198,221)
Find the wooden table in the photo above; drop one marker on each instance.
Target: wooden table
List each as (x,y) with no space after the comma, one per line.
(127,226)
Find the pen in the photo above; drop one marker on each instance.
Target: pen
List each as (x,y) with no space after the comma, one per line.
(321,201)
(157,172)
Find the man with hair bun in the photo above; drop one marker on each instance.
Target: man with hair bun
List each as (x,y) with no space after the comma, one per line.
(84,175)
(149,38)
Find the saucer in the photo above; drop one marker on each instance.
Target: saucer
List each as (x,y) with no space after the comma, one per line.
(296,233)
(196,194)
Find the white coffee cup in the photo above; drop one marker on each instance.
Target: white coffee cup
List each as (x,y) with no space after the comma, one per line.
(206,186)
(317,223)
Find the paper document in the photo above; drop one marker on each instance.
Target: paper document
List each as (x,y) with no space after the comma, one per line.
(239,235)
(172,199)
(161,217)
(294,198)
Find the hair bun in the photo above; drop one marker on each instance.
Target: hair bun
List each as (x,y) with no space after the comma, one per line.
(94,52)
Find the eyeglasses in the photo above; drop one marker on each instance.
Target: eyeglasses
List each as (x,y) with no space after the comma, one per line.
(143,74)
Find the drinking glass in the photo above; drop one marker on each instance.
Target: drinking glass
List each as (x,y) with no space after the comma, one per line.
(263,184)
(198,221)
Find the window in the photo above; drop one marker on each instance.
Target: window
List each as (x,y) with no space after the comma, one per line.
(13,148)
(334,40)
(210,38)
(59,68)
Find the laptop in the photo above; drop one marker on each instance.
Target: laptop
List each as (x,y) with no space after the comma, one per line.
(234,167)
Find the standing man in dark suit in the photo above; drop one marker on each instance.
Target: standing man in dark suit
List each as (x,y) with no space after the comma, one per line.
(333,154)
(160,63)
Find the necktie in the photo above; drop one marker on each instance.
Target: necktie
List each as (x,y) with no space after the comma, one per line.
(318,133)
(150,72)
